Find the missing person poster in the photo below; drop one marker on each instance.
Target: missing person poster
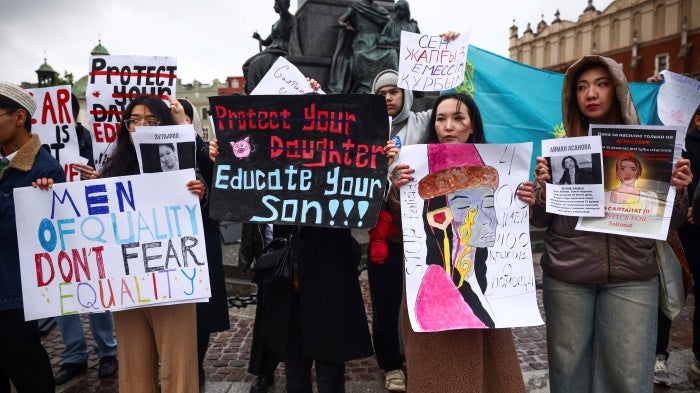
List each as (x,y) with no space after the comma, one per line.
(111,244)
(576,179)
(165,148)
(637,165)
(315,160)
(466,236)
(113,82)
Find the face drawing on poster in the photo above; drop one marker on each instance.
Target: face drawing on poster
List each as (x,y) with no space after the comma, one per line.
(461,216)
(168,157)
(627,195)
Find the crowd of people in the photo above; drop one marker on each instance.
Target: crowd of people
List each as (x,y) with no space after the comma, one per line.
(600,291)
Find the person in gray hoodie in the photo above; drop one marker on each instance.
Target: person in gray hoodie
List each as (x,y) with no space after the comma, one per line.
(600,291)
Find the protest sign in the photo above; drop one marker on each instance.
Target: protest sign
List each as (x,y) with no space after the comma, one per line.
(314,160)
(54,124)
(165,148)
(576,177)
(466,235)
(637,167)
(679,97)
(283,78)
(113,82)
(430,63)
(111,244)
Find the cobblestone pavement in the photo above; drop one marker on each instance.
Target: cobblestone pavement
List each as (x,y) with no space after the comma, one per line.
(227,359)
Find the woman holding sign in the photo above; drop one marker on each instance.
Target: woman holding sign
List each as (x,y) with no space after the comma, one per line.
(475,360)
(149,336)
(600,290)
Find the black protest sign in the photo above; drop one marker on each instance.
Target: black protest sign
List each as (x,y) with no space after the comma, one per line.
(315,160)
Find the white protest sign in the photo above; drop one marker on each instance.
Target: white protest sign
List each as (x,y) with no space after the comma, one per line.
(283,78)
(430,63)
(468,258)
(576,177)
(165,148)
(54,124)
(111,244)
(679,97)
(113,82)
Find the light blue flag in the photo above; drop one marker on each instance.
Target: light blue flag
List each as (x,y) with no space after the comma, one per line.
(520,103)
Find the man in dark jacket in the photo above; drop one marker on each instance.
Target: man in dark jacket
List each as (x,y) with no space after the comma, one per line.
(22,161)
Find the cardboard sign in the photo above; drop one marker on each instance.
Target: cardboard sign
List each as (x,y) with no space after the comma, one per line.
(111,244)
(313,160)
(429,63)
(116,80)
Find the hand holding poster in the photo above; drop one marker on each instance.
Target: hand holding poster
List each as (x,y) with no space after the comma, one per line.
(313,160)
(576,180)
(111,244)
(466,237)
(637,165)
(283,78)
(114,82)
(430,63)
(53,122)
(165,148)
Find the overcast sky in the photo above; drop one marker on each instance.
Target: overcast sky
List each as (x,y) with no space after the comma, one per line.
(212,38)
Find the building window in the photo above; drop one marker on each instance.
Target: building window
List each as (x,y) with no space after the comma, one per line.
(235,84)
(661,63)
(205,113)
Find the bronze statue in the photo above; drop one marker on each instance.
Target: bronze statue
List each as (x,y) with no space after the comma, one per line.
(277,44)
(356,60)
(391,35)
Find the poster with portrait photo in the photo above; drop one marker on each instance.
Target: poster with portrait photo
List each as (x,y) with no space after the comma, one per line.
(576,179)
(165,148)
(637,167)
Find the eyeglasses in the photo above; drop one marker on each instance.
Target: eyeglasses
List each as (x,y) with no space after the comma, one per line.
(132,123)
(8,113)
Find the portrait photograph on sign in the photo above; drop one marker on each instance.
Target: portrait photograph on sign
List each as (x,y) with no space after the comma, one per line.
(165,148)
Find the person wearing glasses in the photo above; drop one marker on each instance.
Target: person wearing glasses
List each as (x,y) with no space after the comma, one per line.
(23,360)
(149,336)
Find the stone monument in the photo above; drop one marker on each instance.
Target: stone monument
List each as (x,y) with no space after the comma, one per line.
(315,35)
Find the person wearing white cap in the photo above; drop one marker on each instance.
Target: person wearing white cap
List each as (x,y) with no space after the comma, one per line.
(23,360)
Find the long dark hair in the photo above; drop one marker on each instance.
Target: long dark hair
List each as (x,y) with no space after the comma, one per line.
(123,160)
(477,135)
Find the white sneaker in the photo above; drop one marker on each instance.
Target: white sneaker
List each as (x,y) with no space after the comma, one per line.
(661,376)
(395,381)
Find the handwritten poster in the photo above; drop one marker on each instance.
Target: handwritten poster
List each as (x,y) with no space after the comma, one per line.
(113,82)
(54,124)
(315,160)
(576,177)
(637,166)
(430,63)
(679,97)
(111,244)
(466,237)
(283,78)
(165,148)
